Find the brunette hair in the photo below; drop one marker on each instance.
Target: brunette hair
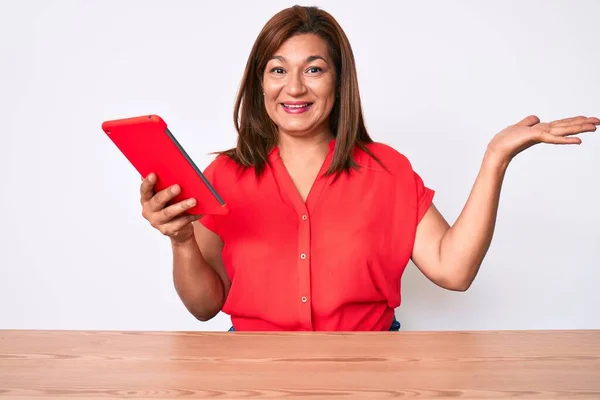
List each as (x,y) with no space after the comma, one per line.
(257,133)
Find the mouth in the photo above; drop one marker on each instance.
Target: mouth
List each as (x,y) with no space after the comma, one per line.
(296,107)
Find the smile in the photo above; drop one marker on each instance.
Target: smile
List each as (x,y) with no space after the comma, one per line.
(296,108)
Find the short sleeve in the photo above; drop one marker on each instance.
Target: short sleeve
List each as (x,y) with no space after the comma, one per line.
(424,196)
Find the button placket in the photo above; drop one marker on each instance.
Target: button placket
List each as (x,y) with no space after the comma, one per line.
(304,264)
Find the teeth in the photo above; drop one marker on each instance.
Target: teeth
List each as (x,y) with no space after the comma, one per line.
(296,106)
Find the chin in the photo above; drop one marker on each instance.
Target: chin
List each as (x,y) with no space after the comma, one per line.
(298,126)
(296,129)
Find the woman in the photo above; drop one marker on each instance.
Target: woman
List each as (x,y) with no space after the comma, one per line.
(323,220)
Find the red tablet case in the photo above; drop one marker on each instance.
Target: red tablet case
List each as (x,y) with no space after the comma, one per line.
(150,147)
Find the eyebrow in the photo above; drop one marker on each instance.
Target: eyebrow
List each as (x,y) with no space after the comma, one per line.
(308,59)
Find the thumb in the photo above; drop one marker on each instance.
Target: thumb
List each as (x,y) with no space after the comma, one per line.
(529,121)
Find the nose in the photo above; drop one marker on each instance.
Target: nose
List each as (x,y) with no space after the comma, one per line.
(295,85)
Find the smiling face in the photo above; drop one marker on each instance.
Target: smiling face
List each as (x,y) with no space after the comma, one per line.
(299,86)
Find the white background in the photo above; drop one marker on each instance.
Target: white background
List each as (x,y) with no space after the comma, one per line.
(438,80)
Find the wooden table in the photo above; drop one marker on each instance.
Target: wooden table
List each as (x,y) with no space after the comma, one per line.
(236,365)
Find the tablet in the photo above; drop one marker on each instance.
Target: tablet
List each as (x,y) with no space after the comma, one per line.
(150,147)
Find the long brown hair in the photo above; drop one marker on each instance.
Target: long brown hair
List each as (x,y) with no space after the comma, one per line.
(257,134)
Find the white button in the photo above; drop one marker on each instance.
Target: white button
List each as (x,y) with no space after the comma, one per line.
(304,218)
(304,299)
(303,256)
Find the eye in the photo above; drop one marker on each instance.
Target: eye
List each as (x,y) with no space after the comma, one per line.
(313,70)
(277,70)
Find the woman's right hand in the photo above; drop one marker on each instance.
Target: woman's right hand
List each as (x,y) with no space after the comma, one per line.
(170,220)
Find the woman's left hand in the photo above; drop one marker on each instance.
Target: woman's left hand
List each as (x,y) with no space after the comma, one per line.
(530,131)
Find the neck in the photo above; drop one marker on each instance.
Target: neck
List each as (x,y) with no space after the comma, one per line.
(304,147)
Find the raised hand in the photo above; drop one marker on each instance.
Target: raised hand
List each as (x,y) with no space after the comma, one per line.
(170,220)
(530,131)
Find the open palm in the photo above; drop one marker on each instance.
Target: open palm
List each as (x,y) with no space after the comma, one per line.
(530,131)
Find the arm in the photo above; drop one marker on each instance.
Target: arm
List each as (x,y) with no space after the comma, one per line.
(198,273)
(450,256)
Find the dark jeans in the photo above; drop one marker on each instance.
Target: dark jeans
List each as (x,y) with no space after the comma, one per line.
(394,327)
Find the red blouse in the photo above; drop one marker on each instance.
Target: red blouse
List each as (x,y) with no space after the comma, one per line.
(331,263)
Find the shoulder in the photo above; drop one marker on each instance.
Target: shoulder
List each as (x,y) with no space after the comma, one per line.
(219,162)
(406,179)
(393,160)
(221,167)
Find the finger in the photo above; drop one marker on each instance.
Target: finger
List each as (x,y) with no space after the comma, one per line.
(567,130)
(160,199)
(173,211)
(529,121)
(566,121)
(177,224)
(553,139)
(147,188)
(576,120)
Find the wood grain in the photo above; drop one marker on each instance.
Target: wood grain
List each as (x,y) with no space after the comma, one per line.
(236,365)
